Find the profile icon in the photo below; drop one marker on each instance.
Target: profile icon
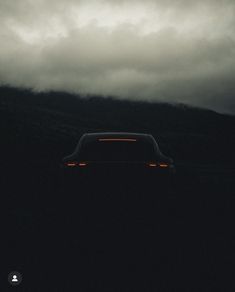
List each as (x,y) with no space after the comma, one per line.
(14,278)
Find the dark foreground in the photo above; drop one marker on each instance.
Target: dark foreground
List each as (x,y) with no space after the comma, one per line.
(127,236)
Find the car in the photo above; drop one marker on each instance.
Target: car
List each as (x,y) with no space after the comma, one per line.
(111,151)
(116,167)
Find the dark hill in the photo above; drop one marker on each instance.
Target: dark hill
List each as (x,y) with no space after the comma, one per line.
(50,124)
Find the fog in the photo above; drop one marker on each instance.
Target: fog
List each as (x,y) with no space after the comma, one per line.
(173,51)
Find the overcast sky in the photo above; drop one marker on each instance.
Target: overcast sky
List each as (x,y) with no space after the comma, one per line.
(177,51)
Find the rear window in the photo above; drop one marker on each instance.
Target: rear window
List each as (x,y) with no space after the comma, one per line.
(117,150)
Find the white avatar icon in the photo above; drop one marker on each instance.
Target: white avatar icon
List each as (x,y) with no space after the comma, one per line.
(14,278)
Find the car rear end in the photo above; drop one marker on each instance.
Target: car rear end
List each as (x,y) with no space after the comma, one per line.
(117,161)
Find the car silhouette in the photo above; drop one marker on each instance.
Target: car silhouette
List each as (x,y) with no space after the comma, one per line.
(115,150)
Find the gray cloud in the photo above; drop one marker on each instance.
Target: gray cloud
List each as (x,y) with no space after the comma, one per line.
(177,51)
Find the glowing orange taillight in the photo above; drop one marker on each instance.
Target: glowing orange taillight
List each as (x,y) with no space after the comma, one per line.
(152,164)
(71,164)
(82,164)
(117,139)
(163,165)
(75,163)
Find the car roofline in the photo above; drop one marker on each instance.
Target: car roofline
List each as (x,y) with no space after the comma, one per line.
(88,137)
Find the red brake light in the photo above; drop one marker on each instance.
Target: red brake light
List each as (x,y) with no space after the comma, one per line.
(160,164)
(163,165)
(82,164)
(71,164)
(152,164)
(117,139)
(75,163)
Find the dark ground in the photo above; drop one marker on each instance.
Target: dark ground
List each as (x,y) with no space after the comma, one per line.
(127,236)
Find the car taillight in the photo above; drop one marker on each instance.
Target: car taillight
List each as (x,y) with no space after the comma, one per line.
(159,164)
(82,164)
(152,164)
(75,163)
(163,165)
(71,164)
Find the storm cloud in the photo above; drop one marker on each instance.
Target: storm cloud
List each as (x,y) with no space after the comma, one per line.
(173,51)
